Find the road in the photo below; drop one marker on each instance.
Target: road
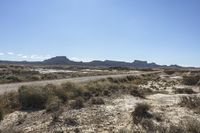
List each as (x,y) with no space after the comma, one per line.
(14,86)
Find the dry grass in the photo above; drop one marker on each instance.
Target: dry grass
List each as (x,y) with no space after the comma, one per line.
(51,97)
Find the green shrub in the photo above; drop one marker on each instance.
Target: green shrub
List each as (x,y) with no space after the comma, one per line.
(32,97)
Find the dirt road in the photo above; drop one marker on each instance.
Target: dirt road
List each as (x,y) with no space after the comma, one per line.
(14,86)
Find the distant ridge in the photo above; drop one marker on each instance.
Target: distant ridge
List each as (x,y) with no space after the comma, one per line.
(63,60)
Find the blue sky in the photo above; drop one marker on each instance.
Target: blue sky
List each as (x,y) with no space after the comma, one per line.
(161,31)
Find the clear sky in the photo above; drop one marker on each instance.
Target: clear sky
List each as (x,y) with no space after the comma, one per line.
(161,31)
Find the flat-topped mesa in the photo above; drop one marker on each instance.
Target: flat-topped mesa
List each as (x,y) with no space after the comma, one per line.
(63,60)
(57,60)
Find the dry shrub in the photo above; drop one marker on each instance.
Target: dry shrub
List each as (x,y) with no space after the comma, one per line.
(141,112)
(53,104)
(191,102)
(136,92)
(77,104)
(71,122)
(184,91)
(1,114)
(169,72)
(32,97)
(97,101)
(191,80)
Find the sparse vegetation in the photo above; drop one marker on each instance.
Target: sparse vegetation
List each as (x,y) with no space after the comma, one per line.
(191,80)
(169,72)
(1,114)
(141,112)
(77,104)
(184,91)
(136,92)
(97,101)
(51,97)
(53,104)
(191,102)
(57,100)
(33,97)
(71,122)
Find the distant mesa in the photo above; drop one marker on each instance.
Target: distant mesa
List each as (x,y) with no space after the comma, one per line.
(63,60)
(58,60)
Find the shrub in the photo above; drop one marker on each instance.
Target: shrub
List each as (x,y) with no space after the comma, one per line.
(32,97)
(49,76)
(175,129)
(192,125)
(71,122)
(188,125)
(137,93)
(184,91)
(72,89)
(148,125)
(53,104)
(191,80)
(77,104)
(68,86)
(34,78)
(97,100)
(61,94)
(1,114)
(13,79)
(141,112)
(169,72)
(191,102)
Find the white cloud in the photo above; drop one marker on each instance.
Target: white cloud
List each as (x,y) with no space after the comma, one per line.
(39,57)
(83,59)
(24,56)
(1,53)
(75,59)
(10,53)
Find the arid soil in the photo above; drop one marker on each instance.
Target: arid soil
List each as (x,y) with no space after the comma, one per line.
(115,116)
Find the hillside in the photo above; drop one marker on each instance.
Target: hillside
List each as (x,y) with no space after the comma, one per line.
(62,60)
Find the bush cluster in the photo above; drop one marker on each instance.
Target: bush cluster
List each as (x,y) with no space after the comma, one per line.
(191,80)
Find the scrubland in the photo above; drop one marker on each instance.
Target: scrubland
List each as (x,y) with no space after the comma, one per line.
(165,102)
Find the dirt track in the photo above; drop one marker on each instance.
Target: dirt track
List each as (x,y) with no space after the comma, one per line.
(14,86)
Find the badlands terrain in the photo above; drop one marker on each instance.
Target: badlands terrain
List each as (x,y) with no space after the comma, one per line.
(123,101)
